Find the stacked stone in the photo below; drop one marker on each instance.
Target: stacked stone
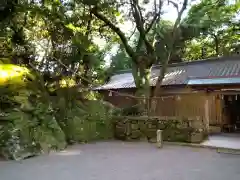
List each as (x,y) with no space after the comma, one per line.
(185,130)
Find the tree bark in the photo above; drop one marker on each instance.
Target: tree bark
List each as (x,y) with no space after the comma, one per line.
(215,37)
(142,82)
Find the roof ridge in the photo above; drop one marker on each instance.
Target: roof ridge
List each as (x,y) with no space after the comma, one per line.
(222,58)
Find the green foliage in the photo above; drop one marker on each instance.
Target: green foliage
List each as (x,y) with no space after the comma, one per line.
(33,132)
(30,126)
(53,39)
(214,26)
(33,126)
(85,121)
(34,121)
(120,61)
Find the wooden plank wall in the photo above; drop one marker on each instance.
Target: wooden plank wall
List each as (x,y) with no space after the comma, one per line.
(191,105)
(215,109)
(176,104)
(185,105)
(166,106)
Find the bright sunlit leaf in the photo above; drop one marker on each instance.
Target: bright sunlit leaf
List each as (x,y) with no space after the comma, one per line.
(73,28)
(9,72)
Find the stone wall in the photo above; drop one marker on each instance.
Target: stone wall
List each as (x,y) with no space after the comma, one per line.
(174,129)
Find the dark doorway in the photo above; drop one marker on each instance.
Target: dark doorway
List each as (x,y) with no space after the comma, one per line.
(232,111)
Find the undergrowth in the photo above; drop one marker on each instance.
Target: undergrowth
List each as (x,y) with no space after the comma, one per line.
(33,122)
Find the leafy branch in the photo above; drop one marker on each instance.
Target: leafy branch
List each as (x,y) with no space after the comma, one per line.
(116,29)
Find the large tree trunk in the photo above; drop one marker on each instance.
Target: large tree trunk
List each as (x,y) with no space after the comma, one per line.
(141,76)
(157,90)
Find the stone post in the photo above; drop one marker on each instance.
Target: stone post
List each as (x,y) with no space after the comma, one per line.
(159,138)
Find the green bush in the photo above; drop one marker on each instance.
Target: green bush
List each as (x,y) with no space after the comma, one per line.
(38,127)
(33,132)
(87,121)
(32,121)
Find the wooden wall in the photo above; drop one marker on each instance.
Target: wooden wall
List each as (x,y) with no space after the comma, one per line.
(192,105)
(184,105)
(215,109)
(182,102)
(119,100)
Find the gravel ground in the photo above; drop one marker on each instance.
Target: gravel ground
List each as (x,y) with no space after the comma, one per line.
(125,161)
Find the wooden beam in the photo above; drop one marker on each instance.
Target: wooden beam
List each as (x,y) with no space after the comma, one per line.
(206,109)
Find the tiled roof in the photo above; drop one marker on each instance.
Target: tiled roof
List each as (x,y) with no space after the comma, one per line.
(227,69)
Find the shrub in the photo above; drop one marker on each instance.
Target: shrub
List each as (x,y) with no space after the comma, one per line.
(32,121)
(87,121)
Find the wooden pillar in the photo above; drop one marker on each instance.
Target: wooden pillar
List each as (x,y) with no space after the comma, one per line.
(218,106)
(206,109)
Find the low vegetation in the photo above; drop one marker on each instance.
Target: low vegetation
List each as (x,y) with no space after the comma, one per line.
(31,123)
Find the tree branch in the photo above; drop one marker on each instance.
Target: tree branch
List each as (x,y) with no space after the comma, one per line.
(132,33)
(175,28)
(137,15)
(156,17)
(136,11)
(89,25)
(139,44)
(178,20)
(121,35)
(165,63)
(174,4)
